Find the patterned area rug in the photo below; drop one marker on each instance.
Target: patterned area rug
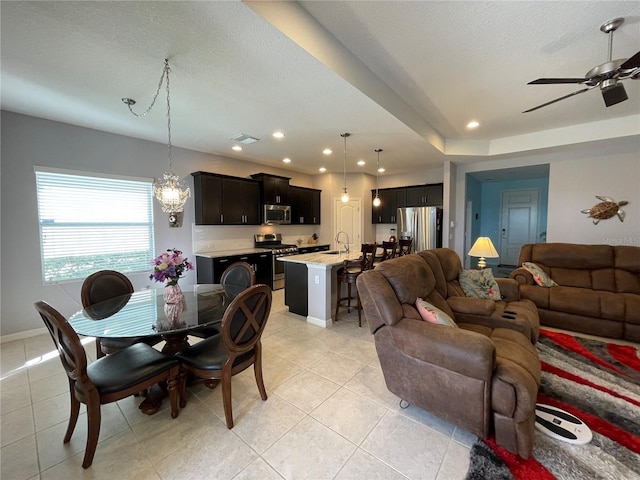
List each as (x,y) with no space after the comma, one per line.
(599,383)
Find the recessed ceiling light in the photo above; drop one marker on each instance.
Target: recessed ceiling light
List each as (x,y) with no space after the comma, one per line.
(381,170)
(278,134)
(286,160)
(472,124)
(327,151)
(361,162)
(237,148)
(322,169)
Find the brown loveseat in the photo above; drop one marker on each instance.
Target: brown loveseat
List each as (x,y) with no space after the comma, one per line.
(598,288)
(480,377)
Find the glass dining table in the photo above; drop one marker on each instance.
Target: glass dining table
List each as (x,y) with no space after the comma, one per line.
(145,314)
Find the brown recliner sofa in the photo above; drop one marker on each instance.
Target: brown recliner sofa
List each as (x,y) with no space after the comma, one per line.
(598,288)
(479,377)
(446,266)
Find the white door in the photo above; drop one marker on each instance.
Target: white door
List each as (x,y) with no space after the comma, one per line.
(519,222)
(348,220)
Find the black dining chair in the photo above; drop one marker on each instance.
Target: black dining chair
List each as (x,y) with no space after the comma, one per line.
(104,285)
(234,349)
(388,250)
(109,378)
(236,277)
(404,246)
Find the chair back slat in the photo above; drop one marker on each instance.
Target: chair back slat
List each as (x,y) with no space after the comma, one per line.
(245,318)
(66,340)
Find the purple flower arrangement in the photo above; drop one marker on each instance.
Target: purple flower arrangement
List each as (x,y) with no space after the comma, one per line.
(170,266)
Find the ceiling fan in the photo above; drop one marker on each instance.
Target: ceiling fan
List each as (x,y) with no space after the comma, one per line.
(606,76)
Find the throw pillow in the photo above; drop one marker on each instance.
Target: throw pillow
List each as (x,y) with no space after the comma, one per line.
(539,275)
(479,284)
(432,314)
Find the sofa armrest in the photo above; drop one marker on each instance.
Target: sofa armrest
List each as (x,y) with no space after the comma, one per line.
(462,351)
(522,276)
(473,306)
(508,289)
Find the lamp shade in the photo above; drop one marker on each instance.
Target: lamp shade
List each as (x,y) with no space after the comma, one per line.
(483,248)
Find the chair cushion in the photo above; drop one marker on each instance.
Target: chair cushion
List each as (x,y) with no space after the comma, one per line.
(209,354)
(129,367)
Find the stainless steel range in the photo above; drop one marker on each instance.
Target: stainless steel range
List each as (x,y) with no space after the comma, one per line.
(273,242)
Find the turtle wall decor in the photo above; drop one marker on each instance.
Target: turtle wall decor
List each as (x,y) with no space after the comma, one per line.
(607,208)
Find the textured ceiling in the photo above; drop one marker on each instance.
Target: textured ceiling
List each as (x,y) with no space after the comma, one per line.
(402,76)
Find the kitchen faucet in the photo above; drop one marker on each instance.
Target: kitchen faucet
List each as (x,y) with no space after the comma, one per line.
(346,245)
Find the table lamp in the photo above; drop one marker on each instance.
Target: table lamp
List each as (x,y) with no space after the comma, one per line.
(483,248)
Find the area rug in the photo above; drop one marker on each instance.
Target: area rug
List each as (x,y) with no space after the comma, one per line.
(599,382)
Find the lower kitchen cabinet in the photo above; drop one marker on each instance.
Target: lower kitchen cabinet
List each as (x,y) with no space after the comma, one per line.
(209,270)
(314,248)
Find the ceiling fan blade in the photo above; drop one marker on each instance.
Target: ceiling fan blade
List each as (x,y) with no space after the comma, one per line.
(633,62)
(557,100)
(547,81)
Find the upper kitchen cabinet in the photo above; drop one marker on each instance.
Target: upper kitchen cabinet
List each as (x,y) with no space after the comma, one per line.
(224,200)
(274,189)
(424,195)
(240,201)
(391,199)
(305,205)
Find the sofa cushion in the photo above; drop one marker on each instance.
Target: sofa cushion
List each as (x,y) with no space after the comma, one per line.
(479,284)
(432,314)
(539,275)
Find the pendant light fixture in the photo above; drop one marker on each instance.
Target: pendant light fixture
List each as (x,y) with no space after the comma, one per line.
(376,200)
(345,195)
(170,191)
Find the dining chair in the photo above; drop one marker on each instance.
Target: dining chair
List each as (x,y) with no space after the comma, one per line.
(388,250)
(104,285)
(234,349)
(348,274)
(236,277)
(108,379)
(404,246)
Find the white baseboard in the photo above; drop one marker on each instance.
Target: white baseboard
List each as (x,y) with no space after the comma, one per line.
(22,335)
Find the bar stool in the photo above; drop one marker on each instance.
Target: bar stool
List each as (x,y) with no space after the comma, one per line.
(404,247)
(388,250)
(348,274)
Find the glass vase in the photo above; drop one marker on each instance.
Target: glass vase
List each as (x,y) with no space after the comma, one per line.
(172,294)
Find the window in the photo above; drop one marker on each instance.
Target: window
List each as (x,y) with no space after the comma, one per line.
(90,223)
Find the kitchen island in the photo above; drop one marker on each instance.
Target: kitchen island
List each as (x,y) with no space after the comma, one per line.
(310,281)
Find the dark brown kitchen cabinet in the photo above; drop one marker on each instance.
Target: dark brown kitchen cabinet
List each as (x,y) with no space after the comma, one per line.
(391,199)
(240,201)
(305,205)
(207,198)
(424,195)
(274,188)
(209,270)
(225,200)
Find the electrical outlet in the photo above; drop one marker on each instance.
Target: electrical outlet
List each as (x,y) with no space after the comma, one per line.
(317,279)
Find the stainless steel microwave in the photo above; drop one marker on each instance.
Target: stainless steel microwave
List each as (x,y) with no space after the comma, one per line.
(277,214)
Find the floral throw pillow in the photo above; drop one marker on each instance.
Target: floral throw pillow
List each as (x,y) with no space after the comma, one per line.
(432,314)
(539,275)
(479,284)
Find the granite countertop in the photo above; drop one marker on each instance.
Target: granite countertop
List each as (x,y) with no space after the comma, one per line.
(322,258)
(229,253)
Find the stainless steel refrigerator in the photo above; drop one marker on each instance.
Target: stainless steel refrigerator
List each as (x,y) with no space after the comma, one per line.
(423,225)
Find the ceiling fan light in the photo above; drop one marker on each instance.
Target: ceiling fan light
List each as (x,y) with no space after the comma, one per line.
(613,94)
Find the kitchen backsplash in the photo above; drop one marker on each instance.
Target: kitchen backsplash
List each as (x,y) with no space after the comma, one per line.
(210,238)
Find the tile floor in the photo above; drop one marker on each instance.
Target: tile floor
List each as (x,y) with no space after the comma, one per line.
(329,416)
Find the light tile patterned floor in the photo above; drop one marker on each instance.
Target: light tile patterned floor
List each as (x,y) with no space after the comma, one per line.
(329,416)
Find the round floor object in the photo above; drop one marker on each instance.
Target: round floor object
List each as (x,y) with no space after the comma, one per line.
(561,425)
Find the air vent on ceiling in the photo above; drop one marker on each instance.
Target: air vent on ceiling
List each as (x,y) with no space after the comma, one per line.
(244,138)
